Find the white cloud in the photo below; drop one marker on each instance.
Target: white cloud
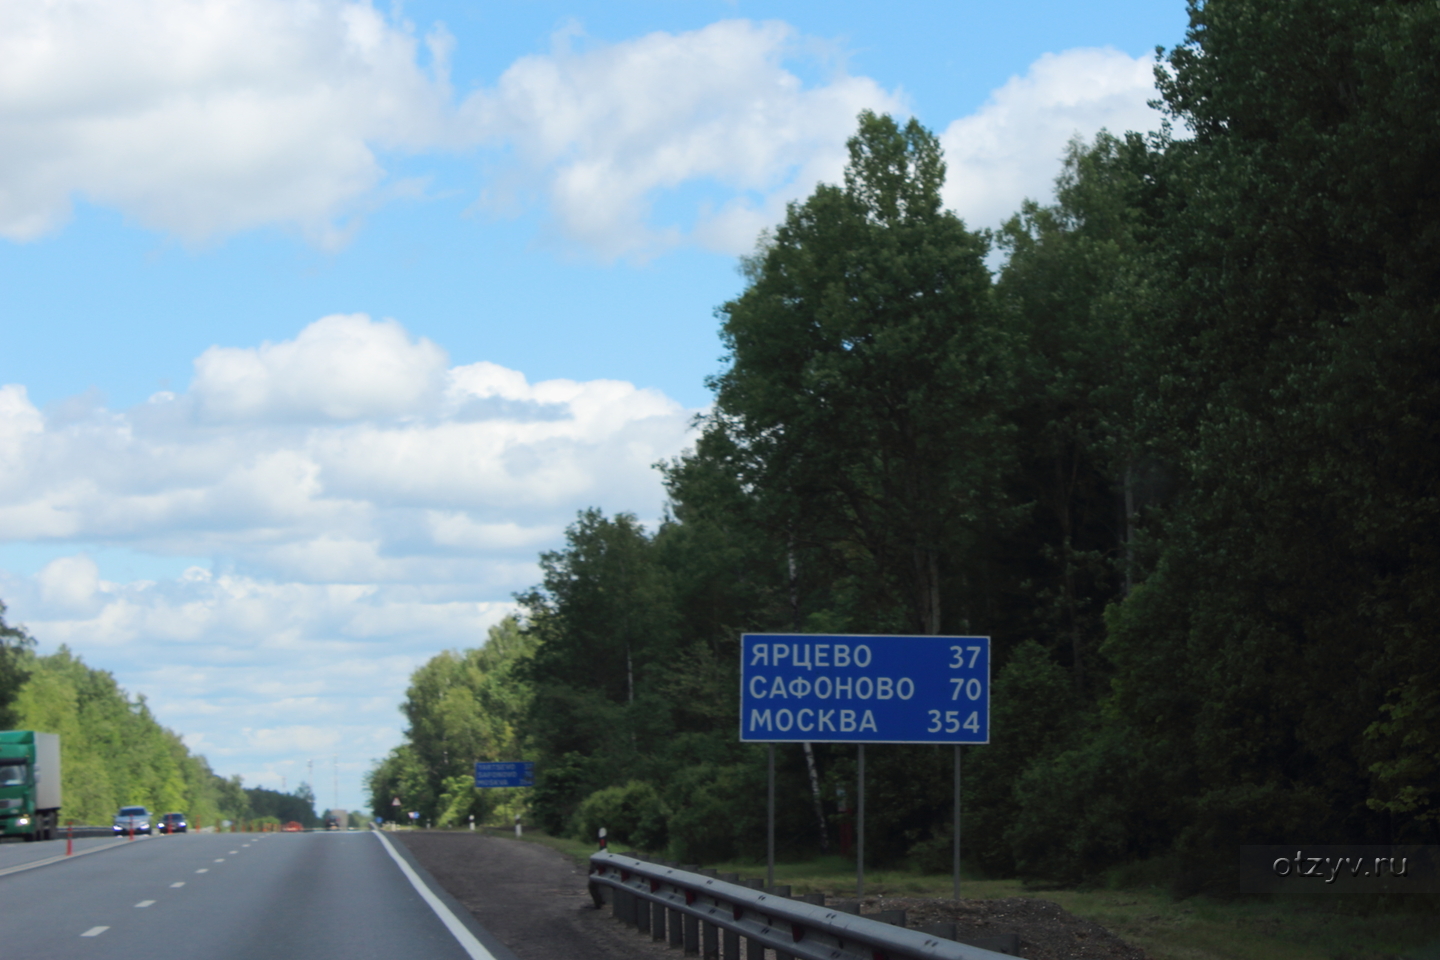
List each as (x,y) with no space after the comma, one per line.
(363,505)
(606,129)
(69,582)
(205,117)
(1010,148)
(348,454)
(338,368)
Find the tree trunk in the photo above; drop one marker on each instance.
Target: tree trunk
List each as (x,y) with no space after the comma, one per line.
(809,750)
(815,793)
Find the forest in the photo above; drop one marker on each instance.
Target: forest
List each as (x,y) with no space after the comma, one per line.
(1170,439)
(114,753)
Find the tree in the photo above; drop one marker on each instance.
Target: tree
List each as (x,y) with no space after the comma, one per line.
(112,750)
(462,706)
(1299,347)
(605,626)
(1073,291)
(862,401)
(15,651)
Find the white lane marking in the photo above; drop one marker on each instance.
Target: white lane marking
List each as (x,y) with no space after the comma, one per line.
(219,859)
(180,884)
(203,870)
(457,929)
(61,858)
(234,851)
(94,931)
(144,903)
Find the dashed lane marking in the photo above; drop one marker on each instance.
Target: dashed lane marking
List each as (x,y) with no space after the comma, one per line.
(219,859)
(94,931)
(144,903)
(234,851)
(179,884)
(203,870)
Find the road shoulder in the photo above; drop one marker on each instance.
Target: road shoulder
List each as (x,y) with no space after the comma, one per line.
(531,898)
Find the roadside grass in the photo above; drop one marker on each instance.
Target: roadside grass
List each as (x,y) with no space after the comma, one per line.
(1166,928)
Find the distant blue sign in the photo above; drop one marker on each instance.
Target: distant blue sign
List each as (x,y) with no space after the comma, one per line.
(864,689)
(520,773)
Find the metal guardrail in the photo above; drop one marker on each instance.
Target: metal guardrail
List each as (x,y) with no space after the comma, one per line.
(703,913)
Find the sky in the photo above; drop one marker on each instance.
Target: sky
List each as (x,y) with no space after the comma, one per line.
(320,320)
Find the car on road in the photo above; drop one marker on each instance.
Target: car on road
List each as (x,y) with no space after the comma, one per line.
(132,820)
(172,823)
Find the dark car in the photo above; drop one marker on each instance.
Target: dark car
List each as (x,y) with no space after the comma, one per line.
(172,823)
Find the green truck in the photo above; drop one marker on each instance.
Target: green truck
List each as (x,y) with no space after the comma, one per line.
(29,784)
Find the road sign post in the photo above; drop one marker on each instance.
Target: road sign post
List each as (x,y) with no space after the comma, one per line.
(866,689)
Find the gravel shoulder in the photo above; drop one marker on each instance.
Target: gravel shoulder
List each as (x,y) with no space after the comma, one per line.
(535,900)
(530,897)
(1047,931)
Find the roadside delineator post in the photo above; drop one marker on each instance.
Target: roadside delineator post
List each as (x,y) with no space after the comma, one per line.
(69,837)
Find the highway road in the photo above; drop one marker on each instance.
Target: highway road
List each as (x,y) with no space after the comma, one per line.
(301,896)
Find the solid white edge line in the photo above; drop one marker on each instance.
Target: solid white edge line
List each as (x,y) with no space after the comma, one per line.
(452,923)
(59,858)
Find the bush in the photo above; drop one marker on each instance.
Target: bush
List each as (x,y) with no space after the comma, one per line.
(714,813)
(1088,809)
(559,788)
(632,814)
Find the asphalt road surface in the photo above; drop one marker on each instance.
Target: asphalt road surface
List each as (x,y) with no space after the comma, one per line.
(302,896)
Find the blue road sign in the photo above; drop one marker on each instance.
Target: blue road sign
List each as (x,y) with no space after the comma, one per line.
(520,773)
(864,689)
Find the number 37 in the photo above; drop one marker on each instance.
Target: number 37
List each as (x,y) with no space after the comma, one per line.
(952,724)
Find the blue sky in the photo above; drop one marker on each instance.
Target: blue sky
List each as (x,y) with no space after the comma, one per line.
(320,320)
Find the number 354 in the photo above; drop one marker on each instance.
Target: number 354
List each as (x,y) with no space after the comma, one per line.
(951,722)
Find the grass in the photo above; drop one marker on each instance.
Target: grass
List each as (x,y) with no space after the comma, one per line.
(1195,928)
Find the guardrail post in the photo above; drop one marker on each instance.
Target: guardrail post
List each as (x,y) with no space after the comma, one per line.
(730,945)
(657,923)
(754,949)
(642,915)
(677,936)
(692,935)
(730,940)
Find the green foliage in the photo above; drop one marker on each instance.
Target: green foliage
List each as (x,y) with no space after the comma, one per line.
(1033,716)
(715,813)
(866,381)
(461,707)
(561,783)
(272,805)
(15,647)
(631,814)
(112,751)
(1180,459)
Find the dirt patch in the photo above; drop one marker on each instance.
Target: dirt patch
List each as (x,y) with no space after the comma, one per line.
(533,899)
(1047,931)
(536,901)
